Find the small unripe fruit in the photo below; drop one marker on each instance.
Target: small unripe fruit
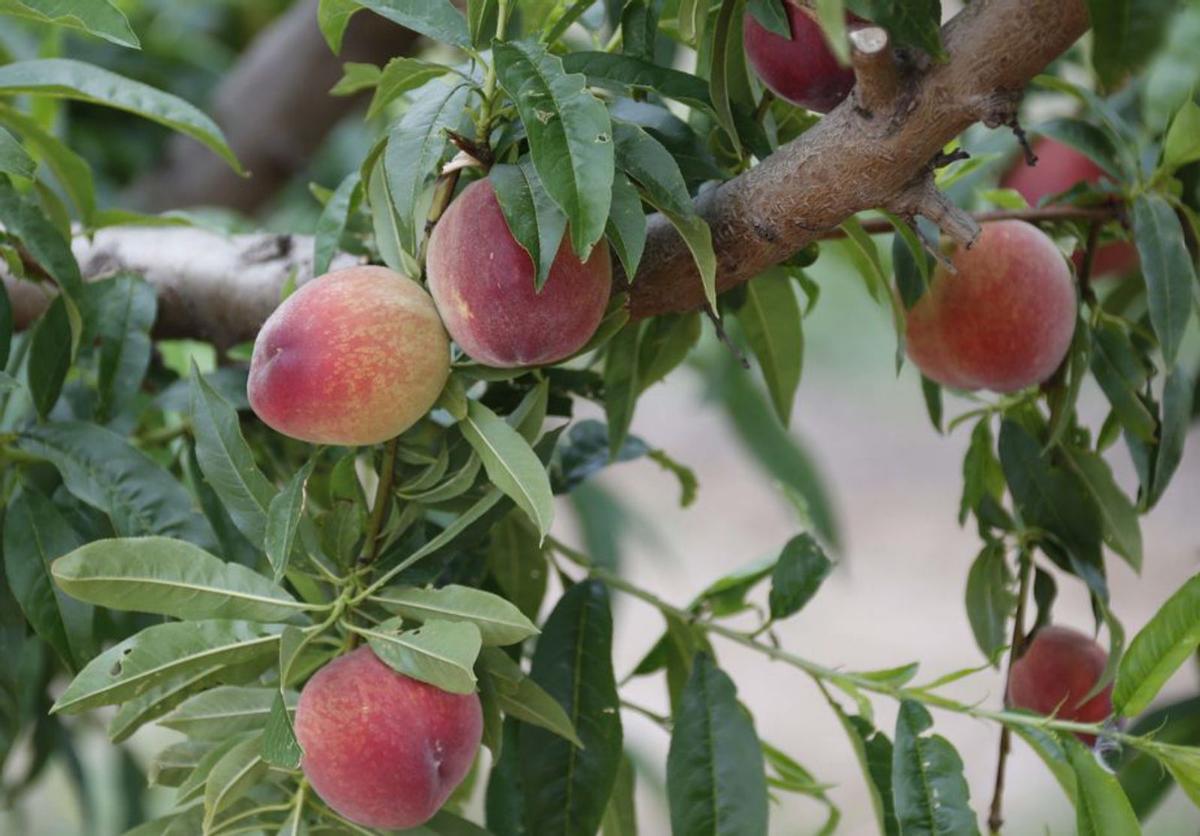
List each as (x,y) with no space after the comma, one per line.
(1004,321)
(382,749)
(1059,168)
(482,282)
(1057,670)
(802,70)
(356,356)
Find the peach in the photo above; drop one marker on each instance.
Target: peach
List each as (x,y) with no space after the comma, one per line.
(1057,670)
(802,70)
(483,284)
(1059,167)
(1004,321)
(356,356)
(382,749)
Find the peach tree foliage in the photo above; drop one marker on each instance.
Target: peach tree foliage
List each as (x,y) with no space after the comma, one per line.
(168,555)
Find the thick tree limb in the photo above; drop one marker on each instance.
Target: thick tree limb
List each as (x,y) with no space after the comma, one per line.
(849,162)
(222,290)
(275,110)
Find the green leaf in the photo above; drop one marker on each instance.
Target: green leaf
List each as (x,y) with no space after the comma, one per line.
(729,82)
(226,460)
(693,14)
(832,17)
(770,319)
(35,533)
(716,782)
(523,699)
(1091,141)
(219,712)
(170,577)
(159,700)
(1157,651)
(96,17)
(6,332)
(102,469)
(499,621)
(279,745)
(772,15)
(1142,777)
(626,74)
(621,385)
(176,762)
(626,229)
(1176,418)
(332,222)
(236,773)
(50,353)
(620,818)
(121,311)
(1119,371)
(534,220)
(415,148)
(930,792)
(874,753)
(436,19)
(399,76)
(1124,34)
(1101,808)
(517,563)
(909,22)
(1167,268)
(567,787)
(24,219)
(990,600)
(1182,144)
(570,136)
(511,464)
(1047,497)
(355,78)
(441,653)
(651,165)
(799,573)
(65,78)
(14,159)
(1047,747)
(284,516)
(71,170)
(162,653)
(1118,516)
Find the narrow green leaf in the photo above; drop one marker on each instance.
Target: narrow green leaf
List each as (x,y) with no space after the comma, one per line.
(1101,808)
(910,22)
(174,763)
(239,770)
(441,653)
(1182,145)
(799,573)
(66,78)
(716,781)
(620,818)
(436,19)
(219,712)
(35,533)
(102,469)
(101,18)
(284,516)
(533,218)
(1168,269)
(1124,34)
(332,222)
(518,563)
(523,699)
(279,746)
(621,385)
(160,653)
(1157,651)
(14,159)
(415,148)
(50,354)
(627,73)
(1118,369)
(511,464)
(226,459)
(159,700)
(1118,516)
(1177,400)
(570,136)
(990,600)
(499,622)
(729,83)
(121,310)
(399,76)
(772,15)
(70,170)
(170,577)
(626,229)
(566,787)
(770,318)
(930,792)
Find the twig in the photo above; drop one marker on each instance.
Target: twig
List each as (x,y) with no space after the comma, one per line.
(1019,133)
(383,495)
(995,815)
(877,82)
(880,226)
(723,336)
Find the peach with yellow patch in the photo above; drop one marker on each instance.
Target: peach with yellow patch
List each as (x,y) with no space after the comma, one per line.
(356,356)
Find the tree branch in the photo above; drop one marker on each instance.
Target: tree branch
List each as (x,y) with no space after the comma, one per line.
(222,289)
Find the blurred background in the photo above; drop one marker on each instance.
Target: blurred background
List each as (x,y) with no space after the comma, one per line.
(858,430)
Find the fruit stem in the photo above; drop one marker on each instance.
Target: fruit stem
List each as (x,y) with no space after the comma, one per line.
(995,812)
(383,495)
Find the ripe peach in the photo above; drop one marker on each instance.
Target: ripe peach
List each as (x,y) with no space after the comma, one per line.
(353,357)
(381,749)
(1005,321)
(1060,167)
(482,282)
(1058,669)
(802,70)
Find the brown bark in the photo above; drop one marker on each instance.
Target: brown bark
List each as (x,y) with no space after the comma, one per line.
(275,110)
(851,161)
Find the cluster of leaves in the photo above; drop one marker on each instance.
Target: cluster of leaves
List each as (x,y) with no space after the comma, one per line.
(185,564)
